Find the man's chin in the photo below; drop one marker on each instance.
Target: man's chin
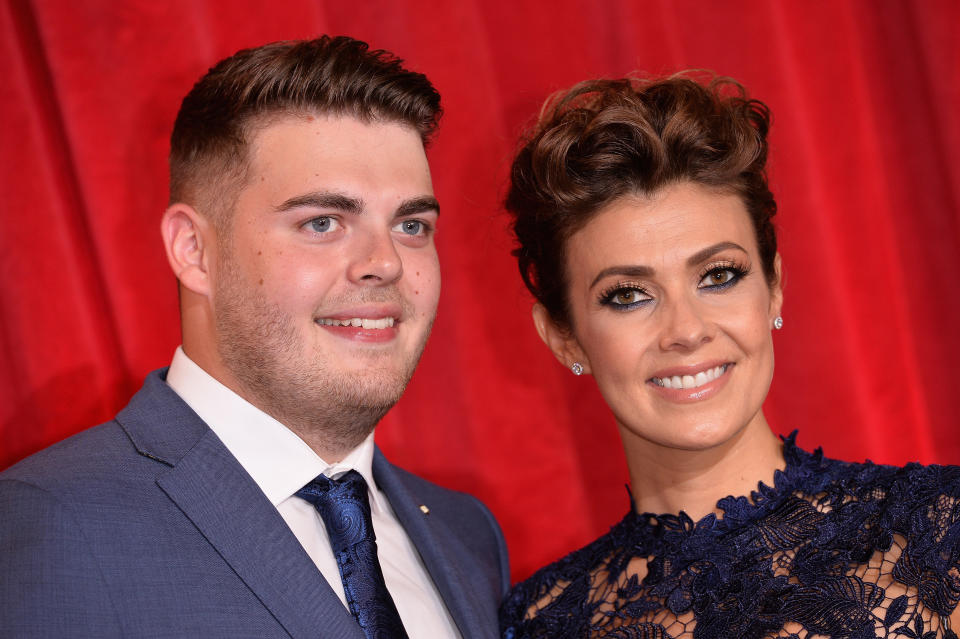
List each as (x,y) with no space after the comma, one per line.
(378,392)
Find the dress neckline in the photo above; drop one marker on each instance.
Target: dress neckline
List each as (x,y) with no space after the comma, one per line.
(801,467)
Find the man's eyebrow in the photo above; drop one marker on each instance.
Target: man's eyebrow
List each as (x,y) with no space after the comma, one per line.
(631,270)
(418,205)
(323,200)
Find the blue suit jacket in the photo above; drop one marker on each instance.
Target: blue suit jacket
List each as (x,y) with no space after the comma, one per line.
(146,526)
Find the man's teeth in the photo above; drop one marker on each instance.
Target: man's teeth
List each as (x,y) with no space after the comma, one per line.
(691,381)
(359,322)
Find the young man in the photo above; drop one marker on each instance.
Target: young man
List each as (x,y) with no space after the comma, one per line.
(238,493)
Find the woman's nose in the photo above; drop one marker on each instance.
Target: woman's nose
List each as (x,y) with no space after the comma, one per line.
(685,325)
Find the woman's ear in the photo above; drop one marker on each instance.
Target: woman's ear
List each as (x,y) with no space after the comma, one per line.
(187,237)
(776,291)
(560,341)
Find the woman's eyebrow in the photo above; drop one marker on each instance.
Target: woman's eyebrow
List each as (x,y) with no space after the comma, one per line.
(629,270)
(710,251)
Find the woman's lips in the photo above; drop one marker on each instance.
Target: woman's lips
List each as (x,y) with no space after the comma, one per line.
(693,383)
(687,380)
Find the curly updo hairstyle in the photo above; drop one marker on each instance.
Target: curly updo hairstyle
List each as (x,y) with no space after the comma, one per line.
(605,139)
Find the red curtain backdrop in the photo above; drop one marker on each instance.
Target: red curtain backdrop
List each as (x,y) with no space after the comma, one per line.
(866,167)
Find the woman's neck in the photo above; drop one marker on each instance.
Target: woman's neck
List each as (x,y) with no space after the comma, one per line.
(668,480)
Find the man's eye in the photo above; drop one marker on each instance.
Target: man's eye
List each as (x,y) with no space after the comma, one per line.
(323,224)
(411,227)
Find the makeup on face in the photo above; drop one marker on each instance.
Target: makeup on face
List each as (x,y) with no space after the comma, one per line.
(672,311)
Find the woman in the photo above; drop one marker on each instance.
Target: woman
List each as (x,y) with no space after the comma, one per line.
(644,223)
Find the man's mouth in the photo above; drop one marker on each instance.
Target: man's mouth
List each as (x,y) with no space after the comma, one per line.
(358,322)
(691,381)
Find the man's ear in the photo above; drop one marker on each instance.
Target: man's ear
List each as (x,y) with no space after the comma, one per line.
(776,293)
(561,341)
(188,238)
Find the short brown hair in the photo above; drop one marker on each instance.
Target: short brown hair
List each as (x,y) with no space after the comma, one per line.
(604,139)
(328,75)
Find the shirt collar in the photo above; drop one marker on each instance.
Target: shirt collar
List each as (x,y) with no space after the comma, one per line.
(273,455)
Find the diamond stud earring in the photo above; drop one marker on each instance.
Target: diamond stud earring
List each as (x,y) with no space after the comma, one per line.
(577,368)
(778,322)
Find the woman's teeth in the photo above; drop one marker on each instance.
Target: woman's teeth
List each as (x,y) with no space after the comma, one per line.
(691,381)
(358,322)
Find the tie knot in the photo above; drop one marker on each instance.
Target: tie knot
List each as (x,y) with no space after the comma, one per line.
(343,505)
(323,491)
(350,485)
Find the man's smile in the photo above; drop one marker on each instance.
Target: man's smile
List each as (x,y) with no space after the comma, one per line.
(369,323)
(362,322)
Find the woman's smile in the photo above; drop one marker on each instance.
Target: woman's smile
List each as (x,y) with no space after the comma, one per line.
(691,383)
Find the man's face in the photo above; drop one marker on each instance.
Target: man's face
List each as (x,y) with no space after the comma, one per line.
(327,280)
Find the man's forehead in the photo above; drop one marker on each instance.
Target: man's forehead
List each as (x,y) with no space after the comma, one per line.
(292,154)
(334,129)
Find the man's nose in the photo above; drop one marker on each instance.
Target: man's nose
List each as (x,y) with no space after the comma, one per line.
(376,260)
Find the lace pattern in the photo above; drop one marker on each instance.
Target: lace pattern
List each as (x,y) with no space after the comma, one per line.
(833,549)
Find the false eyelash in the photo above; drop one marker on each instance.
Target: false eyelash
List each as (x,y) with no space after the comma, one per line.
(606,295)
(738,269)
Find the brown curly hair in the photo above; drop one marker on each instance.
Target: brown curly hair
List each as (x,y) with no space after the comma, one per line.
(603,139)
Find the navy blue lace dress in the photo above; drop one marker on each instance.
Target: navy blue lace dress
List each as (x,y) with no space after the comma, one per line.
(834,549)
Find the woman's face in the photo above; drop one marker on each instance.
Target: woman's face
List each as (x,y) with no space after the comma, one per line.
(672,315)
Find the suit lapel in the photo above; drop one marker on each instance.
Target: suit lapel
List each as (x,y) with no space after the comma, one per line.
(224,503)
(441,552)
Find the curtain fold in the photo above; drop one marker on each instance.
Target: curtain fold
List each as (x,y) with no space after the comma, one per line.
(865,166)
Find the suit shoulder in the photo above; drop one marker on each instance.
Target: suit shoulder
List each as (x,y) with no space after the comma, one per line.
(93,466)
(92,451)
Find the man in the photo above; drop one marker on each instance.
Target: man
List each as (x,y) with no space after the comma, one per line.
(221,500)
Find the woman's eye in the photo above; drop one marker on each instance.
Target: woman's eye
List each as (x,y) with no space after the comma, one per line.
(323,224)
(719,277)
(411,227)
(625,297)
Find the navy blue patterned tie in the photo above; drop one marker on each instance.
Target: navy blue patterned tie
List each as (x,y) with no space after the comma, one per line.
(345,510)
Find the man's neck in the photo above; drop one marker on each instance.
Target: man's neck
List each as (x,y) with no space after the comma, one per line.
(331,436)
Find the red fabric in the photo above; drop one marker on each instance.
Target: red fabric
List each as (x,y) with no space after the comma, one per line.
(866,167)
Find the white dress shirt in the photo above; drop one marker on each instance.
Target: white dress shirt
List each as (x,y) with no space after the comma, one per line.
(281,464)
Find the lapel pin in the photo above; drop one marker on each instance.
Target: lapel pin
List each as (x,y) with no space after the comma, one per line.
(424,509)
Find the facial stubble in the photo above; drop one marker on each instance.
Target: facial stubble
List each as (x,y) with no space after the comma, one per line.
(268,354)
